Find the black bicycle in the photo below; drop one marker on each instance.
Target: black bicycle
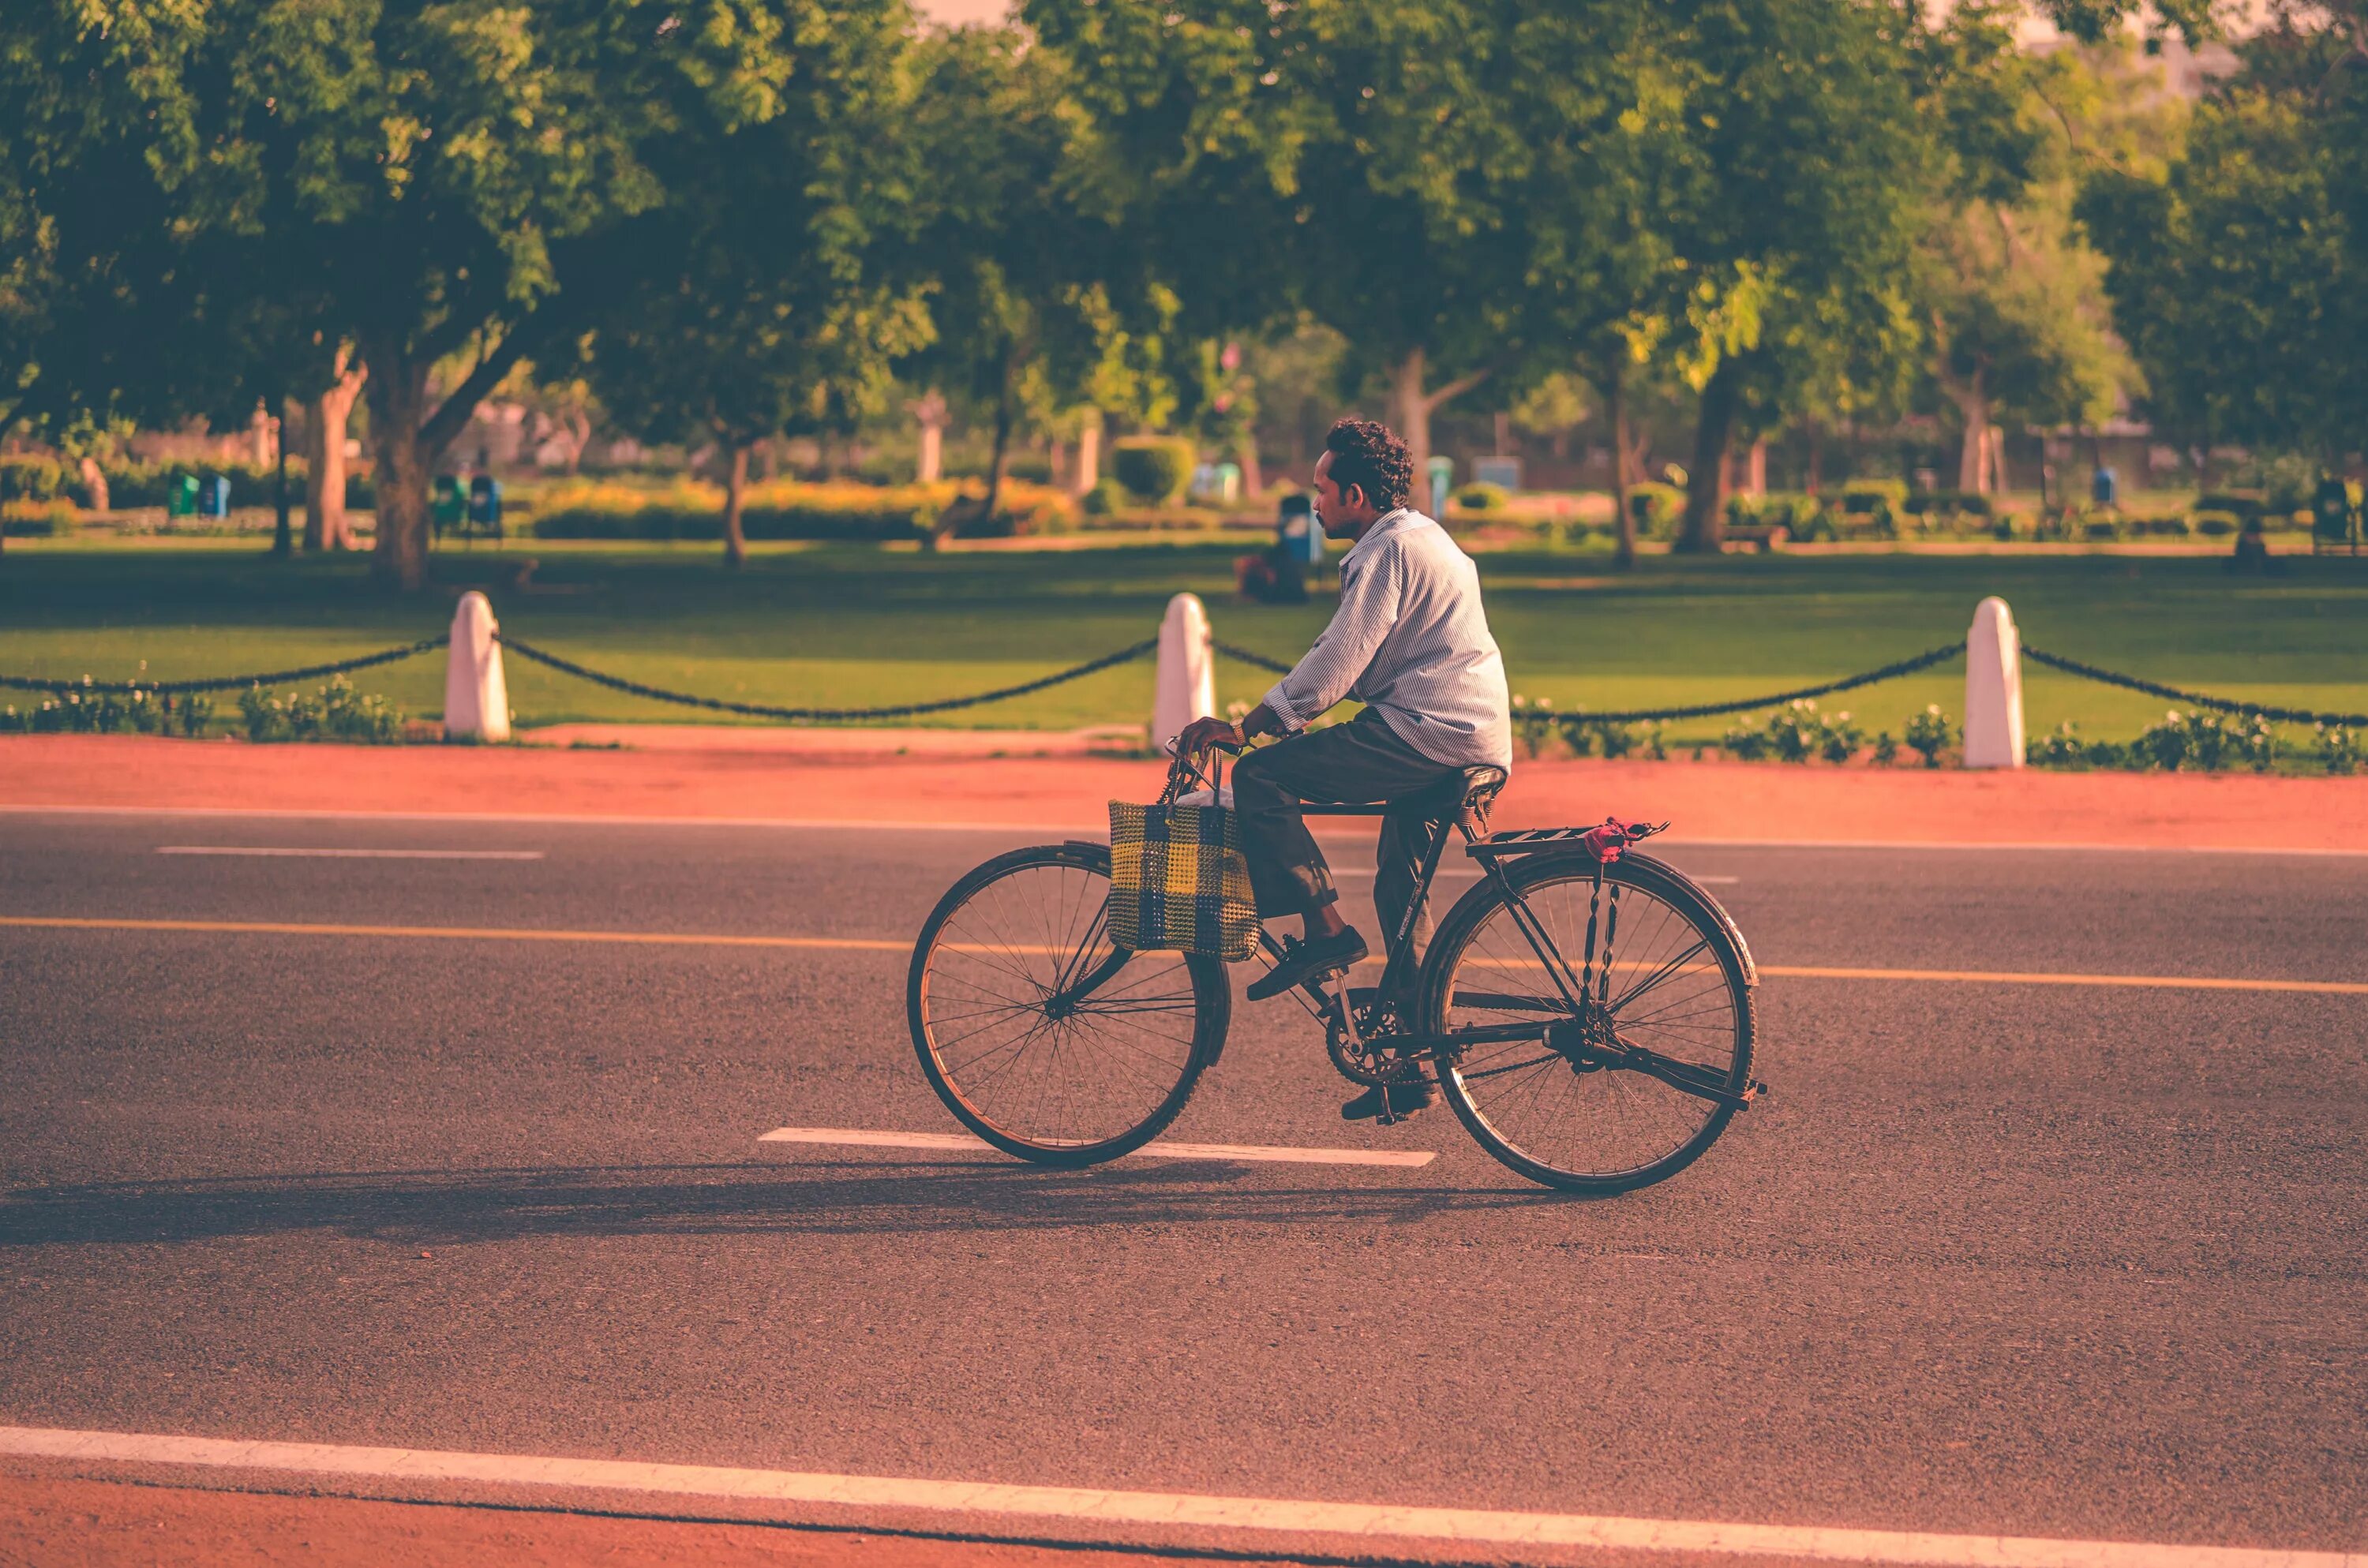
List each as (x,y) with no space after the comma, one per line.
(1587,1009)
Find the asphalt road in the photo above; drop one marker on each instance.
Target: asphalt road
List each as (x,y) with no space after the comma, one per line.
(1994,1258)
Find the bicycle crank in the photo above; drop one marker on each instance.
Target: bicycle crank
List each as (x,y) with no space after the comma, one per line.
(1360,1034)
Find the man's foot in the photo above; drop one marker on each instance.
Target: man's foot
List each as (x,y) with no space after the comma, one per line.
(1403,1100)
(1306,961)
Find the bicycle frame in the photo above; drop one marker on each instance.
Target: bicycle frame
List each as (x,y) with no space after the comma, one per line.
(1588,1036)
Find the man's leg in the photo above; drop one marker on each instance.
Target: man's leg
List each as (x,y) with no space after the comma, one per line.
(1405,840)
(1287,872)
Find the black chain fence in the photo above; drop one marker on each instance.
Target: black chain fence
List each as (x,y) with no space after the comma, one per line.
(524,650)
(1923,661)
(825,715)
(2196,698)
(224,683)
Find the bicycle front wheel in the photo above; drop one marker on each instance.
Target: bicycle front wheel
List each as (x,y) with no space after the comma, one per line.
(1038,1034)
(1675,984)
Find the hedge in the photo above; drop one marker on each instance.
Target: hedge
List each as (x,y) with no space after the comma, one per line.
(37,520)
(30,476)
(151,485)
(1156,468)
(694,512)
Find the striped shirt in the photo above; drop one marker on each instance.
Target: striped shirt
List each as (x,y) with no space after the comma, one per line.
(1411,642)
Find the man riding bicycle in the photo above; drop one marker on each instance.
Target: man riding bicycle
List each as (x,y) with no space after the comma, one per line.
(1409,640)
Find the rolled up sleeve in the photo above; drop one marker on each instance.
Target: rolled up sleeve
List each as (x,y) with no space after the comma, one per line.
(1368,608)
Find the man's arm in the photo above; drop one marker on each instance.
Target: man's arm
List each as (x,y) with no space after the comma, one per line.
(1368,608)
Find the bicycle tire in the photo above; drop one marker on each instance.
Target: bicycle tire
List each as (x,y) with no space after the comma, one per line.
(1013,962)
(1705,922)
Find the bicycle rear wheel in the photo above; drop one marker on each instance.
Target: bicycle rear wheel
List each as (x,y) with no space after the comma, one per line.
(1677,984)
(1039,1036)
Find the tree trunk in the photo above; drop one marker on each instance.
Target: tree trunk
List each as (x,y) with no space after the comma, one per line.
(1246,453)
(1814,475)
(735,493)
(1413,406)
(93,484)
(1704,528)
(326,525)
(398,394)
(1412,410)
(1755,468)
(1973,452)
(283,542)
(1615,392)
(953,516)
(1089,454)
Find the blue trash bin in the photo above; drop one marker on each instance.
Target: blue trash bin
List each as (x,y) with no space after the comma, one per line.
(214,497)
(2104,488)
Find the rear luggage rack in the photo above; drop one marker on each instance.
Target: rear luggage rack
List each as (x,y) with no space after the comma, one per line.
(1604,841)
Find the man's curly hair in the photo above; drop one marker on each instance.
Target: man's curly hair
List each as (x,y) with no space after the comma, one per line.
(1367,455)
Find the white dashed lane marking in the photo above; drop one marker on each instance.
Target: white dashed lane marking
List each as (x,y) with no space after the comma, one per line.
(845,1137)
(277,852)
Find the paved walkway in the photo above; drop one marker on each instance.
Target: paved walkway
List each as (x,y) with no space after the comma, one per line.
(1769,802)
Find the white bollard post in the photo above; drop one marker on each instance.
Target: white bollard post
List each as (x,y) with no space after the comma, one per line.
(1993,687)
(1187,687)
(476,698)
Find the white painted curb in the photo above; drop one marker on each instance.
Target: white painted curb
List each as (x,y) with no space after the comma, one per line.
(1993,687)
(476,698)
(1187,686)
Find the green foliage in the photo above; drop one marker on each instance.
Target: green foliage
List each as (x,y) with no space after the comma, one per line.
(2240,272)
(1660,504)
(1535,723)
(1478,498)
(2206,742)
(38,519)
(2340,747)
(1796,732)
(88,712)
(1154,469)
(30,476)
(333,713)
(1930,734)
(854,513)
(1105,497)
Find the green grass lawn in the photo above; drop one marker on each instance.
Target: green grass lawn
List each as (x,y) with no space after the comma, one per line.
(854,627)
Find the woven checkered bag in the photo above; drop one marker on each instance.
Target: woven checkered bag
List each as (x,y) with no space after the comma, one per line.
(1179,883)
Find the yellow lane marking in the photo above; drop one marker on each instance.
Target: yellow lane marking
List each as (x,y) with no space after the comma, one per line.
(2013,977)
(877,945)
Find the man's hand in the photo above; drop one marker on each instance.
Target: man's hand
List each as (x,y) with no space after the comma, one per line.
(1205,735)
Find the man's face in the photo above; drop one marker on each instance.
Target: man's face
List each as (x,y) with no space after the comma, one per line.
(1340,515)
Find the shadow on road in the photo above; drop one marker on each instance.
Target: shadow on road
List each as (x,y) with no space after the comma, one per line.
(833,1197)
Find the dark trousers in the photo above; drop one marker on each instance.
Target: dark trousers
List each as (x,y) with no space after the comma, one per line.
(1361,760)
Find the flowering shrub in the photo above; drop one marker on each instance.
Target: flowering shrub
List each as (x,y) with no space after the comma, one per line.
(335,712)
(1929,734)
(1795,733)
(107,714)
(2339,748)
(1535,723)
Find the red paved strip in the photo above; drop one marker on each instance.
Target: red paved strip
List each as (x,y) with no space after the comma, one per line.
(1769,801)
(93,1523)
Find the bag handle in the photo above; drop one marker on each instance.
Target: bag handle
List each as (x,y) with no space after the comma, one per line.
(1187,773)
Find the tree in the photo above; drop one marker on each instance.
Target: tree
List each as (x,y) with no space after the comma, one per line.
(764,297)
(1043,306)
(1335,158)
(2239,274)
(1806,157)
(420,180)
